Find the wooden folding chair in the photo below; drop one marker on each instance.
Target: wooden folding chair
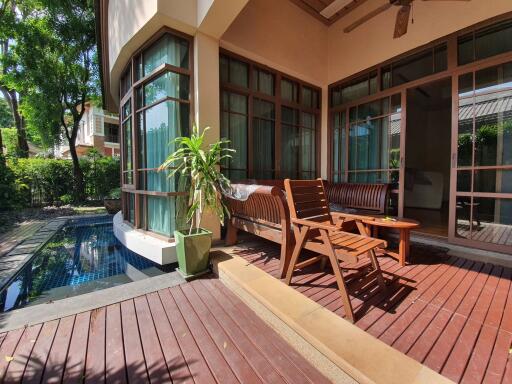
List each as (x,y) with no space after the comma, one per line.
(315,230)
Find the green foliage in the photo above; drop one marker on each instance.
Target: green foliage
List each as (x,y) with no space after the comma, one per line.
(101,174)
(55,71)
(7,186)
(6,120)
(115,193)
(200,166)
(10,140)
(50,181)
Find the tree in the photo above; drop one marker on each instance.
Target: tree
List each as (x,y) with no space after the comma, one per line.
(56,72)
(6,120)
(8,16)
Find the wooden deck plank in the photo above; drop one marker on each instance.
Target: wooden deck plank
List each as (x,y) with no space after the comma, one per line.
(174,359)
(412,309)
(219,367)
(450,313)
(115,369)
(294,369)
(155,361)
(37,361)
(59,351)
(75,363)
(441,312)
(190,306)
(21,355)
(134,356)
(95,360)
(499,357)
(249,350)
(464,346)
(196,364)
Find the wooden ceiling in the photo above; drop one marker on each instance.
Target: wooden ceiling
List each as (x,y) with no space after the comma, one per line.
(315,7)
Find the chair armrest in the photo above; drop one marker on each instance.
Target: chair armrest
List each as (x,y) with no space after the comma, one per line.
(314,224)
(350,216)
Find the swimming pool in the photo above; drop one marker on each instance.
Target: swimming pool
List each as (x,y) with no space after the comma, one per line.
(83,256)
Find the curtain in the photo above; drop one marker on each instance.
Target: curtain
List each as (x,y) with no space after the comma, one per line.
(290,144)
(168,50)
(263,139)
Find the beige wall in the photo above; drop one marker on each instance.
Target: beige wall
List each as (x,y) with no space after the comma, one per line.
(279,34)
(373,43)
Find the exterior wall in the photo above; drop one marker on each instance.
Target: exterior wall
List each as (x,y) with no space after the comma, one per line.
(91,134)
(373,43)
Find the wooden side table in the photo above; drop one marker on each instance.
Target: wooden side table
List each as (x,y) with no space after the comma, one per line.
(404,227)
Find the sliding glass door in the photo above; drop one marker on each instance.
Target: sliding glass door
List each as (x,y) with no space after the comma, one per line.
(481,202)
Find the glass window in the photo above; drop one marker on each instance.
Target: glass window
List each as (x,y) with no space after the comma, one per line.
(485,42)
(354,89)
(309,97)
(111,132)
(169,49)
(289,90)
(339,146)
(234,71)
(234,127)
(374,140)
(263,81)
(416,66)
(263,139)
(169,84)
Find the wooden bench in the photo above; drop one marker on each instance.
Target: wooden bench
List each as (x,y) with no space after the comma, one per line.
(364,199)
(265,213)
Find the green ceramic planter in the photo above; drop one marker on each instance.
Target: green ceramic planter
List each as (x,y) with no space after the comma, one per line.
(193,252)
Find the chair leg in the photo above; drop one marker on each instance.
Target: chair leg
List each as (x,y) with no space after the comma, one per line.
(295,255)
(340,280)
(376,266)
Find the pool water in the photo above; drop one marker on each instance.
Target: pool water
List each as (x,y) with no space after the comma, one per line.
(83,256)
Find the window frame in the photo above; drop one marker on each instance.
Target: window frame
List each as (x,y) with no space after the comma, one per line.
(140,221)
(278,102)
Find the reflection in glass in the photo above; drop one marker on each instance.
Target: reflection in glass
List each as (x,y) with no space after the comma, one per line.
(492,220)
(263,139)
(169,84)
(169,49)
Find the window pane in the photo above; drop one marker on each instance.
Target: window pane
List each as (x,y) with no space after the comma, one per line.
(161,215)
(263,139)
(290,143)
(491,220)
(466,113)
(238,73)
(170,84)
(493,116)
(493,181)
(224,69)
(263,81)
(168,49)
(238,103)
(131,208)
(289,90)
(128,150)
(164,122)
(126,110)
(339,143)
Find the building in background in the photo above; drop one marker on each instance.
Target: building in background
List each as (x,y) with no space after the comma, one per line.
(338,89)
(98,129)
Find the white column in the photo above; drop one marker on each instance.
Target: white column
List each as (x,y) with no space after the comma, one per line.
(207,99)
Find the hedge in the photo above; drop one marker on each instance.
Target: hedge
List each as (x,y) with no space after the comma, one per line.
(38,182)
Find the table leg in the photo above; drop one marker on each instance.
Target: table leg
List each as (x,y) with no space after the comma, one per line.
(403,249)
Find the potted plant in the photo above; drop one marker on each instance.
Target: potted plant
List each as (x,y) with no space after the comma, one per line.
(112,203)
(199,165)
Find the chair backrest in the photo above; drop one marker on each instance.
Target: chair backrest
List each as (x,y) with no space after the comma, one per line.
(307,200)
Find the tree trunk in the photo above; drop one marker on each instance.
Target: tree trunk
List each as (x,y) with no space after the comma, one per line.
(19,123)
(78,175)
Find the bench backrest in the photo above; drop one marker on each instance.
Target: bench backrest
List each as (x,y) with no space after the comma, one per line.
(368,197)
(266,205)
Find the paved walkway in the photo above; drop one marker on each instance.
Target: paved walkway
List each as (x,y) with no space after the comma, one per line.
(196,332)
(20,232)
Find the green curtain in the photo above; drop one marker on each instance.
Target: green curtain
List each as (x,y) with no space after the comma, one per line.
(263,139)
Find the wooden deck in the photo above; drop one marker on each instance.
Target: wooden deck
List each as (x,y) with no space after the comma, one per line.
(451,314)
(197,332)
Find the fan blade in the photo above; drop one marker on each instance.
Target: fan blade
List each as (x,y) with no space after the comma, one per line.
(367,17)
(402,21)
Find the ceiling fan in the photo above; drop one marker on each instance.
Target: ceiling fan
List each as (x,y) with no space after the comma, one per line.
(402,17)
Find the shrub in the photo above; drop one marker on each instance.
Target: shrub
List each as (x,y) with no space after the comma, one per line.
(37,182)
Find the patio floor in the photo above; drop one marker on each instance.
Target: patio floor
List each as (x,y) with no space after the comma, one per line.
(197,332)
(451,314)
